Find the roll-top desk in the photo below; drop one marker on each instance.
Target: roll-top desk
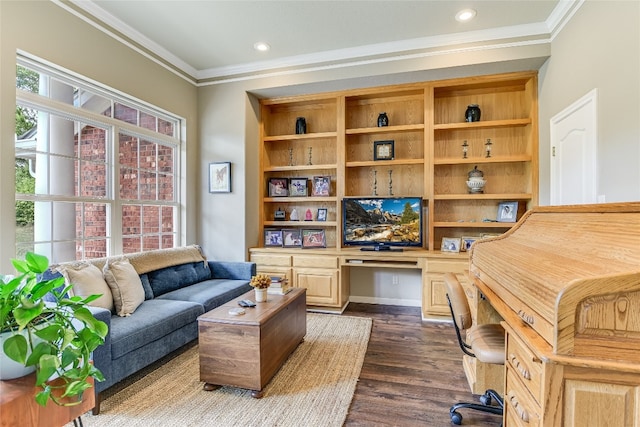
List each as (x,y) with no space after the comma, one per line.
(566,282)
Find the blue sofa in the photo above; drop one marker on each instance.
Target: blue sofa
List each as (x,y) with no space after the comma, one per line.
(175,295)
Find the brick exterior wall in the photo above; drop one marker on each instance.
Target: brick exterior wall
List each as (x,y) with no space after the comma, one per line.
(141,162)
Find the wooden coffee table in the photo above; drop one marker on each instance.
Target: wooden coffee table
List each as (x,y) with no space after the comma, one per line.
(246,351)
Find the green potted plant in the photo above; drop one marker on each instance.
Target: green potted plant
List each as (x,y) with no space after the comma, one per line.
(56,336)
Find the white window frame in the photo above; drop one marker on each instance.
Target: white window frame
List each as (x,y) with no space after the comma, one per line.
(115,128)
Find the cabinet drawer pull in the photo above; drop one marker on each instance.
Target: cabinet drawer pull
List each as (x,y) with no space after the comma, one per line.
(528,318)
(520,410)
(519,366)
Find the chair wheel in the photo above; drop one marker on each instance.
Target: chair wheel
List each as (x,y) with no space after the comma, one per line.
(485,399)
(456,418)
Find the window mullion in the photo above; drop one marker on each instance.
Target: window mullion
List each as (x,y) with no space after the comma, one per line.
(116,205)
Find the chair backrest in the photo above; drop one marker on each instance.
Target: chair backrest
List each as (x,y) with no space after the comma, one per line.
(459,306)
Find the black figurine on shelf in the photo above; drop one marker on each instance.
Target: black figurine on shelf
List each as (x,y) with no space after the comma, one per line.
(301,126)
(383,120)
(473,113)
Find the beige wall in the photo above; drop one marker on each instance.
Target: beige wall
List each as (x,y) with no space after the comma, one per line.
(47,31)
(598,49)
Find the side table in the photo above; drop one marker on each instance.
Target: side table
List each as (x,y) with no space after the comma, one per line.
(18,407)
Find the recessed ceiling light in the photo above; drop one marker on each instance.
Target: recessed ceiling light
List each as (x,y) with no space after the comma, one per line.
(465,15)
(262,46)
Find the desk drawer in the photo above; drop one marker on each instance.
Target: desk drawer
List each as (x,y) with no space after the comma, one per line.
(275,260)
(520,409)
(524,365)
(315,261)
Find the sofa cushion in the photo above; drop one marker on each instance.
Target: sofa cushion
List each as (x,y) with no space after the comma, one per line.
(125,285)
(176,277)
(148,292)
(153,320)
(210,293)
(86,279)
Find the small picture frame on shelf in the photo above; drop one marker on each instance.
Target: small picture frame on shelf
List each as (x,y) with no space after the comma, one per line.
(321,215)
(383,150)
(291,238)
(298,187)
(467,242)
(278,187)
(321,186)
(450,244)
(313,239)
(507,212)
(273,238)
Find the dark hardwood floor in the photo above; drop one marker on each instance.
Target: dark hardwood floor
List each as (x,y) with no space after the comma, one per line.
(412,372)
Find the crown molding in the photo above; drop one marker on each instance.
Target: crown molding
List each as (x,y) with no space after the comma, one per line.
(370,54)
(97,17)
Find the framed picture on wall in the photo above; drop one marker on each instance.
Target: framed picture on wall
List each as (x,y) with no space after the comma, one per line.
(220,177)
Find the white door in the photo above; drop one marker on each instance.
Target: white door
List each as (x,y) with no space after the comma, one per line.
(574,152)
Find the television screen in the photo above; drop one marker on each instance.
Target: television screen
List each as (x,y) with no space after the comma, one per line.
(382,222)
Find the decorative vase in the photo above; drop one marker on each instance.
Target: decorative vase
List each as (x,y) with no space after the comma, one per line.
(301,126)
(473,113)
(261,294)
(476,181)
(383,120)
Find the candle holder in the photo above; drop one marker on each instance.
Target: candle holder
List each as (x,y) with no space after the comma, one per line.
(375,182)
(390,182)
(465,149)
(310,148)
(290,156)
(487,148)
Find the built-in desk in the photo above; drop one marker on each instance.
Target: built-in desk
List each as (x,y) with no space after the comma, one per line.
(566,283)
(325,272)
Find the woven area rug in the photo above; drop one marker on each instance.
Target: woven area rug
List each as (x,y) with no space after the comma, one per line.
(313,388)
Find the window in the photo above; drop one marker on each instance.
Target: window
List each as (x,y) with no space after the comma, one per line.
(96,172)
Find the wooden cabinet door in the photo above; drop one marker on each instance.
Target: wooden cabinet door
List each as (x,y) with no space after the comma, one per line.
(322,285)
(434,298)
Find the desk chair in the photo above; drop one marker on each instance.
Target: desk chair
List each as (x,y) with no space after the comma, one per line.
(484,342)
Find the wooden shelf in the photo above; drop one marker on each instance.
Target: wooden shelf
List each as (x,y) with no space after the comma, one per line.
(300,137)
(483,160)
(303,224)
(308,199)
(300,168)
(508,196)
(385,129)
(481,124)
(382,163)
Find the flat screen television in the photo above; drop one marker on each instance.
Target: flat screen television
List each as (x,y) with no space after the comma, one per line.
(382,223)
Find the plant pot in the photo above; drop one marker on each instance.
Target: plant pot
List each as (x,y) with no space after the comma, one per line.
(9,368)
(261,295)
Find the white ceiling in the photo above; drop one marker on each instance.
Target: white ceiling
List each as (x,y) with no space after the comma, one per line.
(214,38)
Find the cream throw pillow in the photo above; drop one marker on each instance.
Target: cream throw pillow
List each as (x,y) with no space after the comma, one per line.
(125,285)
(86,279)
